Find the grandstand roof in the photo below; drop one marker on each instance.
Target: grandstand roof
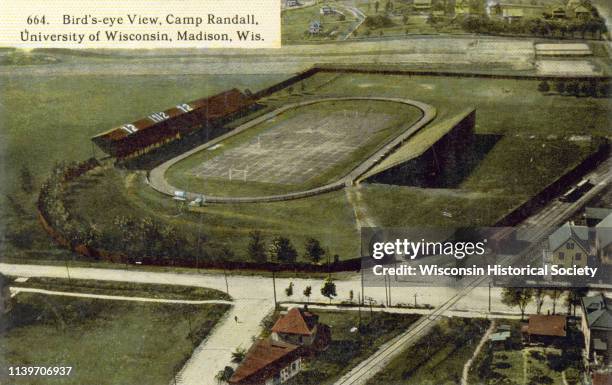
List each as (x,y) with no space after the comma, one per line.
(180,119)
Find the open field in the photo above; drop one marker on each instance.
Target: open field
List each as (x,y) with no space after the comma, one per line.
(438,357)
(299,149)
(127,289)
(52,118)
(120,342)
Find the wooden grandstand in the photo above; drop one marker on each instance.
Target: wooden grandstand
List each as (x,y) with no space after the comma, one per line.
(143,135)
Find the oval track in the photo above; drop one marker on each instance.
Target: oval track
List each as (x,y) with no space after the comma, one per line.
(157,178)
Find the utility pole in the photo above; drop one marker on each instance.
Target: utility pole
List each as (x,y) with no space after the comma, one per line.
(386,293)
(489,296)
(67,271)
(359,310)
(415,302)
(274,287)
(226,285)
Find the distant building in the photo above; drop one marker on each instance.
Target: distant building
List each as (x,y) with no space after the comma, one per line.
(594,215)
(545,328)
(268,362)
(291,3)
(422,5)
(569,245)
(301,327)
(597,328)
(326,10)
(603,241)
(558,12)
(510,12)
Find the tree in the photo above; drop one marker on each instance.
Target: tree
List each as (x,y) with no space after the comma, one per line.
(351,295)
(224,375)
(329,289)
(26,179)
(574,295)
(307,292)
(314,251)
(554,295)
(573,88)
(539,294)
(376,6)
(256,249)
(560,86)
(543,86)
(289,290)
(517,296)
(238,355)
(283,250)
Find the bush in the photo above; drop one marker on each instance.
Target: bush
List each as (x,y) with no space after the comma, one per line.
(378,21)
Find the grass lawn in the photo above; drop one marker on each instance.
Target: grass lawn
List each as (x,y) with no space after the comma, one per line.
(52,119)
(127,289)
(349,349)
(438,357)
(328,217)
(120,342)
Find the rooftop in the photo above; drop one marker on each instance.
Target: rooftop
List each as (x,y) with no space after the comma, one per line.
(547,325)
(598,311)
(263,354)
(568,231)
(296,321)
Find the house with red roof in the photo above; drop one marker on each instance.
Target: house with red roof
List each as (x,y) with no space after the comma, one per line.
(301,327)
(545,328)
(268,362)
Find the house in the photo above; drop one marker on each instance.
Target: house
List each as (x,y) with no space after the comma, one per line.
(315,28)
(545,328)
(569,245)
(291,3)
(603,241)
(596,327)
(558,12)
(268,362)
(601,378)
(326,10)
(582,11)
(301,327)
(422,5)
(510,11)
(594,215)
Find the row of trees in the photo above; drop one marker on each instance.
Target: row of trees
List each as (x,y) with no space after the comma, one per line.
(522,296)
(593,88)
(281,249)
(328,290)
(595,26)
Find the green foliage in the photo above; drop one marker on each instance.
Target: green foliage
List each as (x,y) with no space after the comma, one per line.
(256,249)
(517,296)
(238,355)
(282,250)
(329,289)
(314,251)
(378,21)
(307,292)
(289,290)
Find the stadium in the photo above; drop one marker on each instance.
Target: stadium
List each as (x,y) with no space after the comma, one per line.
(286,150)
